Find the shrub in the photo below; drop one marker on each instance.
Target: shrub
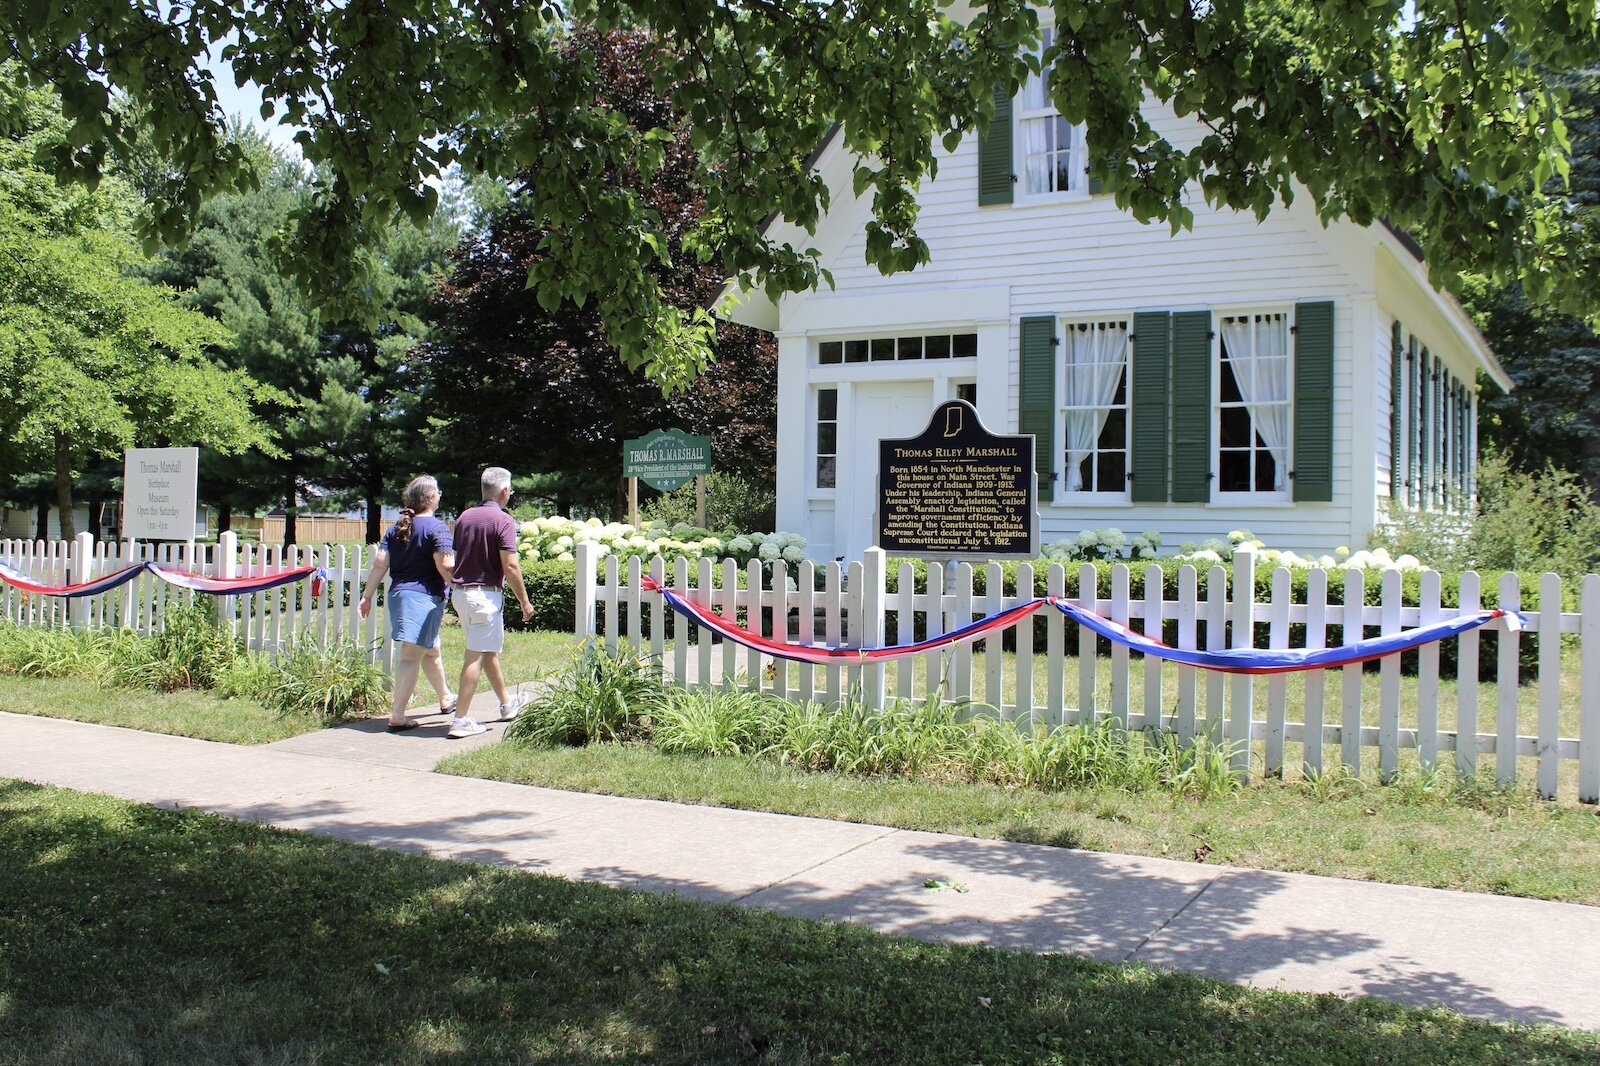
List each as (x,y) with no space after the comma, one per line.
(602,695)
(329,682)
(193,650)
(553,588)
(1523,521)
(732,502)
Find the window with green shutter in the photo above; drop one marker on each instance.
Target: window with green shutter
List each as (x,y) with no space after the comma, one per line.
(1313,402)
(994,154)
(1396,407)
(1037,396)
(1152,368)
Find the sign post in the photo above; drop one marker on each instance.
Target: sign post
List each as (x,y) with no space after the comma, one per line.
(957,491)
(664,459)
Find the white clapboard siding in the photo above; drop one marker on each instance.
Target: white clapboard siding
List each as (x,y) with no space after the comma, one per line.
(845,607)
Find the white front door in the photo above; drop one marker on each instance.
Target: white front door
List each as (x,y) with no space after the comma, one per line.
(881,410)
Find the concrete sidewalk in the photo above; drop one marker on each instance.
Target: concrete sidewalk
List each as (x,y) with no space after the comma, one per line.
(1491,957)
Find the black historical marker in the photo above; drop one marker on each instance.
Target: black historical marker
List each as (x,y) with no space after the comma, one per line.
(956,490)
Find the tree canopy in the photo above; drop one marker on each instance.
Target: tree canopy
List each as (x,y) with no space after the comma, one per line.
(1434,115)
(93,360)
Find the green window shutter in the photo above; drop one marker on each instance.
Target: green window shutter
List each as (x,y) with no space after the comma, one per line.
(1313,402)
(994,154)
(1424,412)
(1437,498)
(1396,405)
(1414,435)
(1191,406)
(1152,358)
(1037,397)
(1464,407)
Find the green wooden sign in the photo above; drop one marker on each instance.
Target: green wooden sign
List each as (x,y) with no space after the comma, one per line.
(666,458)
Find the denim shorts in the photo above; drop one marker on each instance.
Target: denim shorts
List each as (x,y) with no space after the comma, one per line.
(414,617)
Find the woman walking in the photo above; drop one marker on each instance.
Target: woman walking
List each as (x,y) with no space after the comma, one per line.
(419,556)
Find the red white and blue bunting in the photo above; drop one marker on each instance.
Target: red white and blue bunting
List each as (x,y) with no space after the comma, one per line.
(1232,660)
(212,586)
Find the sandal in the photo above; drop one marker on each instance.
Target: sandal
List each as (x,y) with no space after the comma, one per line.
(402,727)
(451,709)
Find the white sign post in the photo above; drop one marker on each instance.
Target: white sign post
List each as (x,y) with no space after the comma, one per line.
(159,493)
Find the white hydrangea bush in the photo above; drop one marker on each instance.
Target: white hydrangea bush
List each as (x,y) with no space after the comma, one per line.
(1092,544)
(556,537)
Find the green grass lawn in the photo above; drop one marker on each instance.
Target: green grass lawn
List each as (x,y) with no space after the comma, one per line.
(1511,844)
(186,713)
(203,714)
(130,934)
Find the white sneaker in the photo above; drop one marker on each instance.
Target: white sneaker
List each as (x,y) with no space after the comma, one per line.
(510,710)
(466,727)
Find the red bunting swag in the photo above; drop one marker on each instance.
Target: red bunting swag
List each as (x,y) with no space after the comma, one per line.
(213,586)
(1233,660)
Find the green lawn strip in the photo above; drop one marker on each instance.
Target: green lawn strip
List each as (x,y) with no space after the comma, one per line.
(185,713)
(528,656)
(131,934)
(1511,845)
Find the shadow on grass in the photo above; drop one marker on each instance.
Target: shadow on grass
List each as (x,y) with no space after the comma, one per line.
(129,933)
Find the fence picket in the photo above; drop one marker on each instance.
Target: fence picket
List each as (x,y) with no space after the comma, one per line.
(755,612)
(1389,682)
(993,661)
(1350,632)
(1277,684)
(905,627)
(1055,648)
(831,629)
(780,628)
(1118,612)
(1154,582)
(613,630)
(934,661)
(1505,726)
(1088,648)
(1316,680)
(1549,683)
(806,626)
(1589,694)
(704,595)
(730,612)
(961,655)
(660,616)
(1428,674)
(1024,712)
(1216,639)
(1467,648)
(1241,710)
(681,626)
(1188,617)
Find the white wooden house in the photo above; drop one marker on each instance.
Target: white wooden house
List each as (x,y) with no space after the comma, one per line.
(1279,376)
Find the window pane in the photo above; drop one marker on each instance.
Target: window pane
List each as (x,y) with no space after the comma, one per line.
(1266,471)
(1236,431)
(936,347)
(828,404)
(882,348)
(1230,386)
(1114,434)
(968,391)
(1113,472)
(964,345)
(830,352)
(855,351)
(1086,472)
(1235,473)
(825,471)
(827,438)
(910,347)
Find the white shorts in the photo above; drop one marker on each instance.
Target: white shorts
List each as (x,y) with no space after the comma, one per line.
(482,617)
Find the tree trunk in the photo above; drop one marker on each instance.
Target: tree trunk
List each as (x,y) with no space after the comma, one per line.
(291,511)
(224,517)
(97,514)
(1591,463)
(69,528)
(42,530)
(374,516)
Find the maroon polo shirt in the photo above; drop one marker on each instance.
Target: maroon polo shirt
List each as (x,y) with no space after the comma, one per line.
(481,534)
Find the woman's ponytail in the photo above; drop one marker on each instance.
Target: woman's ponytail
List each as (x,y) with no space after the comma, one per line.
(420,495)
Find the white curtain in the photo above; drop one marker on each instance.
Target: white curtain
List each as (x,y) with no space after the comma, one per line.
(1036,153)
(1258,351)
(1095,361)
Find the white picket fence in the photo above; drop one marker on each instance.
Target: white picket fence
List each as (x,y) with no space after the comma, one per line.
(1057,684)
(267,621)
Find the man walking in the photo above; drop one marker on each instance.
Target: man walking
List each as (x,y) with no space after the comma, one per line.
(486,557)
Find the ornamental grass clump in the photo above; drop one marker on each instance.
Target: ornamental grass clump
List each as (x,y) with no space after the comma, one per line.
(328,682)
(602,695)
